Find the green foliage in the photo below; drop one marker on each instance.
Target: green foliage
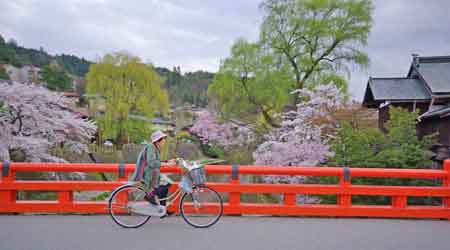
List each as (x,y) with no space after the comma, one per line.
(3,107)
(186,136)
(8,55)
(34,57)
(188,88)
(139,131)
(12,42)
(3,74)
(250,85)
(240,155)
(357,147)
(302,44)
(37,195)
(43,195)
(56,78)
(212,151)
(18,56)
(124,86)
(101,197)
(317,38)
(399,148)
(73,64)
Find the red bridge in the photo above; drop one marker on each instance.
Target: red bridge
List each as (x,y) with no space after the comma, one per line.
(233,205)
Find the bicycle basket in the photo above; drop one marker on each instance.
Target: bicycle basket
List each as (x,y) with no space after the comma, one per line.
(185,184)
(198,176)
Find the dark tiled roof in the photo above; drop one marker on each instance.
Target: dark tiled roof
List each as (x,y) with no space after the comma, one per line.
(436,74)
(158,120)
(434,59)
(398,89)
(427,76)
(436,111)
(139,117)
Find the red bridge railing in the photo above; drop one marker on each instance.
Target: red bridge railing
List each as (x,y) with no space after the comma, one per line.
(9,186)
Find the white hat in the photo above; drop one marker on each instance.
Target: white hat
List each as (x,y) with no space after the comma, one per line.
(157,135)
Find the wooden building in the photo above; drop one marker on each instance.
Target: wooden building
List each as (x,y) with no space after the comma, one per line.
(425,88)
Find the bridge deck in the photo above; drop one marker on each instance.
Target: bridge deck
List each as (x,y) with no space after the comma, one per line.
(70,232)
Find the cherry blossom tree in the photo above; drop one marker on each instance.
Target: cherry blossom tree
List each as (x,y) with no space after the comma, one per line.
(226,134)
(301,141)
(34,120)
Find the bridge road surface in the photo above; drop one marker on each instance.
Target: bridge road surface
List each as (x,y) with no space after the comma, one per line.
(96,232)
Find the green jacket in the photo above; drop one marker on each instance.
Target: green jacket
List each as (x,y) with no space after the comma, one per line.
(148,162)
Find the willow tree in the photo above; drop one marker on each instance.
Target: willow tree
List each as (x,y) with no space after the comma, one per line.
(251,86)
(319,39)
(122,86)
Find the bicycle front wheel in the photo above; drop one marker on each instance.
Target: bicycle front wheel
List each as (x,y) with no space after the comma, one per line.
(122,206)
(202,208)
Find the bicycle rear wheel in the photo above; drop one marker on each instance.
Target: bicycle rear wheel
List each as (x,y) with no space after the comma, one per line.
(120,205)
(202,208)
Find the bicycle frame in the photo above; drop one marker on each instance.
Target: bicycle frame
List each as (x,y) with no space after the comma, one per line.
(172,197)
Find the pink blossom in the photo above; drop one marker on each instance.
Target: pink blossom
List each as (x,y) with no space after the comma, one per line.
(226,134)
(34,119)
(299,142)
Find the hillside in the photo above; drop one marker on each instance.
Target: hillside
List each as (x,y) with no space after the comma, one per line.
(189,88)
(61,72)
(18,56)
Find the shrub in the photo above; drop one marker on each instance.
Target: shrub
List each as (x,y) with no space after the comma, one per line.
(212,151)
(3,74)
(400,147)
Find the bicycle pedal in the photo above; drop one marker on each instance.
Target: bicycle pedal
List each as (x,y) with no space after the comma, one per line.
(167,214)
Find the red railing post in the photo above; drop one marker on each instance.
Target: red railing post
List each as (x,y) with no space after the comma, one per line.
(7,197)
(235,197)
(122,176)
(65,199)
(446,183)
(399,201)
(290,199)
(345,200)
(175,206)
(122,173)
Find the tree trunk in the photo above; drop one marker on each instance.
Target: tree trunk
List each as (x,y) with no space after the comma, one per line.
(270,120)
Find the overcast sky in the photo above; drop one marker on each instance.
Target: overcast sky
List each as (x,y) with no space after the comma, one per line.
(197,34)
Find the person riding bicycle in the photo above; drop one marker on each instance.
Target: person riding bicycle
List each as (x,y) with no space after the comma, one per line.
(148,168)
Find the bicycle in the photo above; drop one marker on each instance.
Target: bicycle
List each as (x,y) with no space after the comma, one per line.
(200,206)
